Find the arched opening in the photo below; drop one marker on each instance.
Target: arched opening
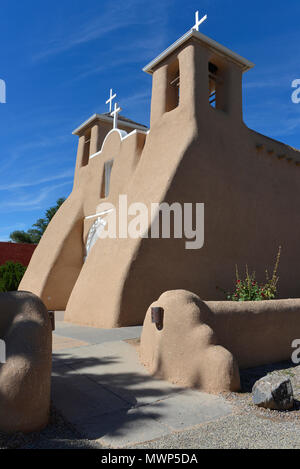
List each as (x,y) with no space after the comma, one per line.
(86,150)
(173,86)
(105,185)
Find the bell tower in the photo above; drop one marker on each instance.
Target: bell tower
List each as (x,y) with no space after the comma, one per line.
(198,73)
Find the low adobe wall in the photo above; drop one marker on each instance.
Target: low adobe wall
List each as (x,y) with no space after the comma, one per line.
(25,377)
(16,252)
(256,332)
(203,344)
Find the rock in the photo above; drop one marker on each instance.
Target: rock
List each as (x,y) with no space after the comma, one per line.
(273,392)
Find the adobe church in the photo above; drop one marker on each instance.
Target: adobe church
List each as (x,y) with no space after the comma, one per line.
(197,150)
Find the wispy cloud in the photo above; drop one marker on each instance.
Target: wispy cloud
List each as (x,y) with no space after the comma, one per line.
(33,146)
(277,117)
(117,15)
(278,82)
(131,54)
(137,98)
(19,185)
(16,226)
(30,202)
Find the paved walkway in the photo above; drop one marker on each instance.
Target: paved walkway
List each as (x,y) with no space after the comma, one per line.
(100,387)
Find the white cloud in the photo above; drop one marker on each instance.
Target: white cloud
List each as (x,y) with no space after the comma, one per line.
(30,202)
(119,15)
(19,185)
(16,226)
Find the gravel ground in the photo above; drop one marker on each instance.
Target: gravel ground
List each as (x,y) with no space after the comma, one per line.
(57,435)
(248,427)
(233,432)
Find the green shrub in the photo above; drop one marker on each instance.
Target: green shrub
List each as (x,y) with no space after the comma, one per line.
(250,290)
(11,274)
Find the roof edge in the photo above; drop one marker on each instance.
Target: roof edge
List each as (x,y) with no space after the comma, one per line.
(101,117)
(217,47)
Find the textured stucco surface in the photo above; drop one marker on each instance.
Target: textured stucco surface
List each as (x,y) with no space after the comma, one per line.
(186,351)
(25,377)
(193,154)
(203,344)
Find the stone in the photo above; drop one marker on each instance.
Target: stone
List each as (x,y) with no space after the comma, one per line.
(273,392)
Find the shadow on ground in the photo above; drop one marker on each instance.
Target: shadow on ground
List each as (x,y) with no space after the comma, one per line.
(95,394)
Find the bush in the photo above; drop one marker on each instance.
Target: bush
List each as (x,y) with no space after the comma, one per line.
(250,290)
(11,274)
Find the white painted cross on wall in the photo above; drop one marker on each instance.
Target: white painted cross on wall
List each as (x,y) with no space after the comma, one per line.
(115,114)
(110,100)
(198,22)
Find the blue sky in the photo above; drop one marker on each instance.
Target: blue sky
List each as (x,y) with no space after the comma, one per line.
(60,58)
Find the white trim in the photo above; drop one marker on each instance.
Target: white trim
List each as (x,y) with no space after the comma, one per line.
(115,114)
(99,214)
(215,46)
(99,117)
(110,99)
(123,135)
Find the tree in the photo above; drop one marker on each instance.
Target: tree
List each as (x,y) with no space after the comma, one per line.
(33,236)
(11,274)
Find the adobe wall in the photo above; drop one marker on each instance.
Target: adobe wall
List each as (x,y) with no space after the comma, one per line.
(16,252)
(251,202)
(25,377)
(187,351)
(193,154)
(122,260)
(251,196)
(256,332)
(202,344)
(58,258)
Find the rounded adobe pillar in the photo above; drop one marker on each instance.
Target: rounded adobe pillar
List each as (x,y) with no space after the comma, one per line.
(194,84)
(95,139)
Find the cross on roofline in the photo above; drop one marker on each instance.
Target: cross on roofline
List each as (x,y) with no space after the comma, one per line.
(198,22)
(110,100)
(115,114)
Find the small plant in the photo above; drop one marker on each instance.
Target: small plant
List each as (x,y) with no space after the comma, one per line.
(250,290)
(11,274)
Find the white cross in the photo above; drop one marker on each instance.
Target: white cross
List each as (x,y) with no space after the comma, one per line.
(110,100)
(198,22)
(115,113)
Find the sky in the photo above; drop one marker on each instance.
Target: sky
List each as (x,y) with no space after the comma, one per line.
(60,58)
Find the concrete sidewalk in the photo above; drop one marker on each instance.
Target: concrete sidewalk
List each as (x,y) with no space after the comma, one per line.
(100,387)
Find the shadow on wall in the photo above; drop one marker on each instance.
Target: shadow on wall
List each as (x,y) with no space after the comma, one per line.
(249,376)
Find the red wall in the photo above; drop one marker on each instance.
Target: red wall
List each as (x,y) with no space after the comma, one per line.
(16,252)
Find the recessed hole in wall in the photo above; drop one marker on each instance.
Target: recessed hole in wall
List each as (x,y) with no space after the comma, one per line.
(106,178)
(86,151)
(215,82)
(173,86)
